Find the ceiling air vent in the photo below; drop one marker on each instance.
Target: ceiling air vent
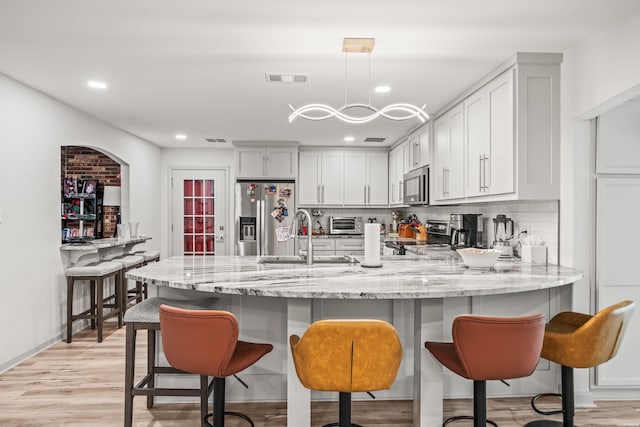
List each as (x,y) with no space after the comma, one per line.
(286,78)
(215,140)
(374,139)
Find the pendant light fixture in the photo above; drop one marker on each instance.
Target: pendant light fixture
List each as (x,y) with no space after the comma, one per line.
(398,111)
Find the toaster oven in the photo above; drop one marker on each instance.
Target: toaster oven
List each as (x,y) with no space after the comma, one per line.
(345,225)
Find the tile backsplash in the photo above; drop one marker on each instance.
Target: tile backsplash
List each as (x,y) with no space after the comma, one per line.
(540,218)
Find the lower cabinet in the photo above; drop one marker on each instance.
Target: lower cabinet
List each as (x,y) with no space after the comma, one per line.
(334,246)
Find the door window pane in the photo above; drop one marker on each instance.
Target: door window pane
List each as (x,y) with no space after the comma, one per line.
(199,217)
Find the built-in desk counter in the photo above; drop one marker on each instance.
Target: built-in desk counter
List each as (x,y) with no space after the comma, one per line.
(416,285)
(97,250)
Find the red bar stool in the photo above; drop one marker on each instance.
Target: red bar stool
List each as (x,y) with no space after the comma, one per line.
(576,340)
(347,356)
(205,342)
(490,348)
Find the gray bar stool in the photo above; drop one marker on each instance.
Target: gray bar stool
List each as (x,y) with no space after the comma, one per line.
(149,257)
(96,273)
(145,315)
(129,262)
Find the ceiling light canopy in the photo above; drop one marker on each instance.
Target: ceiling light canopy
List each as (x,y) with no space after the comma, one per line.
(349,139)
(181,136)
(95,84)
(397,111)
(382,89)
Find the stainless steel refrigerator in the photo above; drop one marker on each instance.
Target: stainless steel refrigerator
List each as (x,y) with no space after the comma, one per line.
(262,207)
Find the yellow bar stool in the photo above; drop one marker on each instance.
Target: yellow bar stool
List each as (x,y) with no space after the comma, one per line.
(576,340)
(347,356)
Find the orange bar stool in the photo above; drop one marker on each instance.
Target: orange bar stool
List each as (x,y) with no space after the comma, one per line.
(146,315)
(347,356)
(490,348)
(576,340)
(205,342)
(97,274)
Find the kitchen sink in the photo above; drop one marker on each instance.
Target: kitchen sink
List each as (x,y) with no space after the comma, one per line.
(322,259)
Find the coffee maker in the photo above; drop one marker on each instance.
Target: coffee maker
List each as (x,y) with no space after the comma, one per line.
(466,230)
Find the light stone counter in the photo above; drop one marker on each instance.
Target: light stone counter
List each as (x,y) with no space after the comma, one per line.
(98,249)
(400,277)
(426,280)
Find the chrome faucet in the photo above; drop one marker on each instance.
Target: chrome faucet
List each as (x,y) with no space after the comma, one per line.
(309,259)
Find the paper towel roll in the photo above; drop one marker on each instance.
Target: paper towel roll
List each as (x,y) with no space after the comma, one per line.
(371,244)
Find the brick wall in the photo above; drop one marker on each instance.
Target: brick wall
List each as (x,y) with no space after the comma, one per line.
(86,163)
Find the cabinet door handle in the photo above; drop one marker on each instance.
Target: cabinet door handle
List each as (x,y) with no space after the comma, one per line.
(365,194)
(401,191)
(323,194)
(484,173)
(318,194)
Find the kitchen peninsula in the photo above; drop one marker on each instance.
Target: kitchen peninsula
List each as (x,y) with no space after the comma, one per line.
(97,250)
(425,283)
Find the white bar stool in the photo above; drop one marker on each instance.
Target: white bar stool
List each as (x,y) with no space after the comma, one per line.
(96,273)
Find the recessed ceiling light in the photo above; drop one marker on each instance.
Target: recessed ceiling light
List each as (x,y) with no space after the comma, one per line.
(349,139)
(181,136)
(97,85)
(382,89)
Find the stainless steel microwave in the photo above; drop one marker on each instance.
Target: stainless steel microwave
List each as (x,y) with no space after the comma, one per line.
(416,186)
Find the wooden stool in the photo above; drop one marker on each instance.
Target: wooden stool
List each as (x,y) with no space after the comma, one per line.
(145,315)
(576,340)
(129,262)
(490,348)
(347,356)
(149,257)
(94,273)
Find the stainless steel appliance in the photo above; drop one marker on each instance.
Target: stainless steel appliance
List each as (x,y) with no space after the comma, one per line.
(466,230)
(345,225)
(502,234)
(416,186)
(263,207)
(438,233)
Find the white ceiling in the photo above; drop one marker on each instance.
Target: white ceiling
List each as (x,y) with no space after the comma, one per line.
(198,66)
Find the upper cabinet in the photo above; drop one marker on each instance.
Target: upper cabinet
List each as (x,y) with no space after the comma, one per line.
(343,178)
(398,166)
(447,172)
(505,131)
(260,161)
(418,148)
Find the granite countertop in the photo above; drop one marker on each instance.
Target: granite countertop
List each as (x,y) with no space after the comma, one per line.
(400,277)
(92,245)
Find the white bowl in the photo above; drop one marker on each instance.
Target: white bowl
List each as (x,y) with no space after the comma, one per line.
(479,258)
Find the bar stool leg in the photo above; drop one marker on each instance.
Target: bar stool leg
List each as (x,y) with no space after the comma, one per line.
(99,296)
(479,403)
(118,292)
(129,373)
(151,359)
(568,404)
(218,401)
(69,307)
(92,296)
(345,410)
(204,399)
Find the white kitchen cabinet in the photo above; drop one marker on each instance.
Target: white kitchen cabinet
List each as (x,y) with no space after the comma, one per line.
(377,178)
(355,178)
(617,145)
(334,246)
(349,246)
(616,278)
(448,170)
(266,162)
(321,179)
(418,148)
(398,166)
(511,134)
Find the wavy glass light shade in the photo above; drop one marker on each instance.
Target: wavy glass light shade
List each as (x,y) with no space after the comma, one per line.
(323,112)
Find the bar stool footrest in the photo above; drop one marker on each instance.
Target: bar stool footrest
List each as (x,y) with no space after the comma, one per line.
(464,417)
(535,398)
(338,425)
(544,423)
(233,414)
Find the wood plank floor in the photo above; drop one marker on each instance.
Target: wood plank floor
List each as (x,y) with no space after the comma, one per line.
(81,384)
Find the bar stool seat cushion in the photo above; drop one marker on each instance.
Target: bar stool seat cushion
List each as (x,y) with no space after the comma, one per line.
(94,269)
(148,311)
(129,260)
(148,255)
